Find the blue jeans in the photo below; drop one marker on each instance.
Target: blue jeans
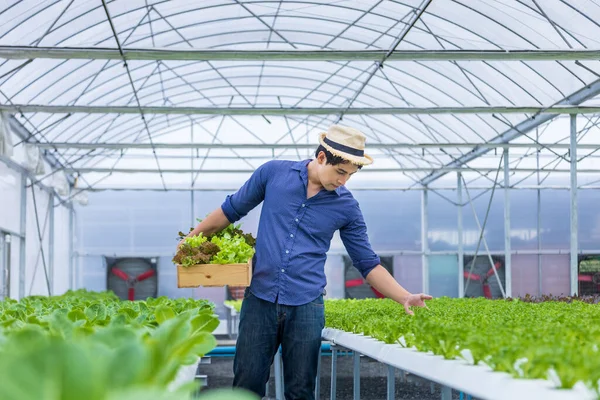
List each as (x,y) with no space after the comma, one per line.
(263,327)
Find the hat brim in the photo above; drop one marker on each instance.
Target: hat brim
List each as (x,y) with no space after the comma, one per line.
(357,160)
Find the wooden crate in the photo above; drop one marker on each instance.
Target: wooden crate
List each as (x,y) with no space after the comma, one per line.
(209,275)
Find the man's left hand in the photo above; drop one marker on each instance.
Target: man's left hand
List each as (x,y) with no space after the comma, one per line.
(417,300)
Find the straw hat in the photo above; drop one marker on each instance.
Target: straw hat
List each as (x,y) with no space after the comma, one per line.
(347,143)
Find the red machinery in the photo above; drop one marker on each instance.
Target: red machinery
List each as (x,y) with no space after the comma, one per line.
(132,281)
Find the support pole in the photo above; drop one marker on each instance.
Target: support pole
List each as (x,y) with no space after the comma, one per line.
(23,241)
(318,380)
(7,266)
(71,255)
(574,224)
(446,393)
(539,217)
(51,246)
(192,200)
(356,375)
(3,264)
(507,253)
(391,383)
(424,240)
(461,250)
(333,372)
(278,375)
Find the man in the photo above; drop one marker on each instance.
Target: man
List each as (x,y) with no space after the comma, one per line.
(304,204)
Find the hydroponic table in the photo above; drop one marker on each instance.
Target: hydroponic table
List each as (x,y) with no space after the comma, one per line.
(478,381)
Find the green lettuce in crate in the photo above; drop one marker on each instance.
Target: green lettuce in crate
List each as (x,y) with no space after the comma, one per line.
(230,246)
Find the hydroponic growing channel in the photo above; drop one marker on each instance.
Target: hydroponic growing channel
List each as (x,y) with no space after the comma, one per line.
(490,349)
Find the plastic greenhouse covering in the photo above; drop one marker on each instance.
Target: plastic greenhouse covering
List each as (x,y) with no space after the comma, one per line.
(85,77)
(124,122)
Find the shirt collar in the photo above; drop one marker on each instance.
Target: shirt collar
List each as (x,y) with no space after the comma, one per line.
(302,166)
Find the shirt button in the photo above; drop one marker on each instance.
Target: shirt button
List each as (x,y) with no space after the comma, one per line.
(303,205)
(287,252)
(291,235)
(282,270)
(296,219)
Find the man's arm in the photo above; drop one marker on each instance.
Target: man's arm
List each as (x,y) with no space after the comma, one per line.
(384,282)
(355,238)
(237,205)
(215,222)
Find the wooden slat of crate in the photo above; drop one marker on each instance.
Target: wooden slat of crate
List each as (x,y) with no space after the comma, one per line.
(214,275)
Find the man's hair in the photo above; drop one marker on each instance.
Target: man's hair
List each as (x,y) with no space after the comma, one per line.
(332,158)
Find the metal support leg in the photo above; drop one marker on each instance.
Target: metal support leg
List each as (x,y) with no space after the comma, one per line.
(278,375)
(234,325)
(318,380)
(391,383)
(229,322)
(356,375)
(461,251)
(333,372)
(424,240)
(446,393)
(574,225)
(202,380)
(507,253)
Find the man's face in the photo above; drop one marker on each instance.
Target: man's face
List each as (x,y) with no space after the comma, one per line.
(334,176)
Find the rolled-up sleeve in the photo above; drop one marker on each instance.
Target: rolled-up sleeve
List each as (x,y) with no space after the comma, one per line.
(251,194)
(355,239)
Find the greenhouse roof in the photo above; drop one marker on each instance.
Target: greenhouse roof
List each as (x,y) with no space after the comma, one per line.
(180,94)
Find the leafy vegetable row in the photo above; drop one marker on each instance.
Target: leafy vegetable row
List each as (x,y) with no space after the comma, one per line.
(94,346)
(89,310)
(556,340)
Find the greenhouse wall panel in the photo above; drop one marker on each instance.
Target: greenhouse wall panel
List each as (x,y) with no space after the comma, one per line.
(401,209)
(555,274)
(523,219)
(443,276)
(61,274)
(92,273)
(443,219)
(14,268)
(167,280)
(494,226)
(37,254)
(408,271)
(555,219)
(10,199)
(589,219)
(334,271)
(525,277)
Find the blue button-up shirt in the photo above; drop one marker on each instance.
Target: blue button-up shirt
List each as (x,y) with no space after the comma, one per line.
(294,233)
